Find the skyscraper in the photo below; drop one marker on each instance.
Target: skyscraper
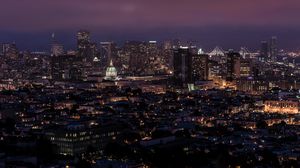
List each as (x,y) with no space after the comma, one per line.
(83,39)
(233,65)
(182,65)
(273,49)
(167,54)
(136,51)
(264,51)
(246,68)
(199,67)
(269,50)
(108,52)
(56,48)
(86,49)
(67,67)
(10,50)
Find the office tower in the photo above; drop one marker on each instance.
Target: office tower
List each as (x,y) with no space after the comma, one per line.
(10,50)
(264,48)
(152,49)
(4,48)
(176,44)
(1,49)
(156,62)
(193,50)
(136,52)
(269,50)
(83,39)
(167,45)
(67,67)
(246,68)
(214,70)
(86,48)
(264,51)
(182,65)
(273,49)
(233,66)
(167,54)
(108,52)
(56,48)
(152,55)
(199,67)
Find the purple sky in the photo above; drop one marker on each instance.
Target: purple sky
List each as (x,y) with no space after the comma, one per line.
(205,21)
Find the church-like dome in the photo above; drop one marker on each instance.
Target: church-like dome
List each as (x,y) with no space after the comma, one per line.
(111,72)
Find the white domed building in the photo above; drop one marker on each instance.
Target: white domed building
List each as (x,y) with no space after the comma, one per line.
(111,72)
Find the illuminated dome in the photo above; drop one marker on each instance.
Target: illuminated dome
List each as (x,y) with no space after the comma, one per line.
(111,72)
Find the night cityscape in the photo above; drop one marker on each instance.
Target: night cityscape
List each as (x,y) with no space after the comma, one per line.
(149,84)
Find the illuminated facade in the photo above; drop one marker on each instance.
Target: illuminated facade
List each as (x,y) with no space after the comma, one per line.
(199,67)
(246,68)
(286,107)
(111,72)
(75,139)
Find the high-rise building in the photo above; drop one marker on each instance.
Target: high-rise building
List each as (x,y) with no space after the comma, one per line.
(108,52)
(264,51)
(246,68)
(67,67)
(136,51)
(56,48)
(4,48)
(273,49)
(10,50)
(193,49)
(182,65)
(86,48)
(176,44)
(269,50)
(83,39)
(214,69)
(167,54)
(199,67)
(152,49)
(233,65)
(167,45)
(1,49)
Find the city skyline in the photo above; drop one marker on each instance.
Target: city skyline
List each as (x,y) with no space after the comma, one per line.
(225,23)
(149,84)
